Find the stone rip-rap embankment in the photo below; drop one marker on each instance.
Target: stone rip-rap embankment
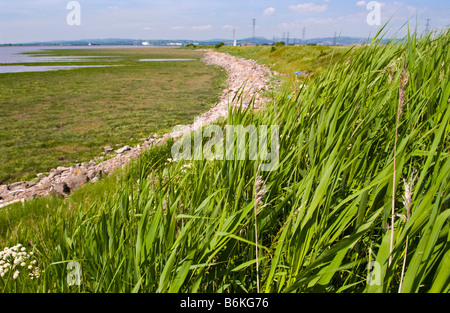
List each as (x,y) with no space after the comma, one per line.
(244,76)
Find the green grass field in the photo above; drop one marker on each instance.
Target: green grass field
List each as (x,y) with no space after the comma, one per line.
(310,60)
(358,204)
(288,60)
(60,118)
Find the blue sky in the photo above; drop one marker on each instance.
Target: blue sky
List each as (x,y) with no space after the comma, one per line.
(39,20)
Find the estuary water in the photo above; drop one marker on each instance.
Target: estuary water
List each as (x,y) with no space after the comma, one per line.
(23,68)
(166,60)
(10,56)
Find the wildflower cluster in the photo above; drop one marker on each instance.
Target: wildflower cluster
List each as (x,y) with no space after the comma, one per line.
(185,166)
(170,160)
(16,260)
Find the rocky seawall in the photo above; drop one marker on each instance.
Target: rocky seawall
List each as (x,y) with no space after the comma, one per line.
(244,76)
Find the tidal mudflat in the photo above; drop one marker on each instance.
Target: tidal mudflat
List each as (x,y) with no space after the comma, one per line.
(58,118)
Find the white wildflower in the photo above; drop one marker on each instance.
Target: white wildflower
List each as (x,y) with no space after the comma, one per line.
(15,256)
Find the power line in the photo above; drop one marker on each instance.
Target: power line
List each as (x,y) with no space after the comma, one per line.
(427,29)
(304,30)
(254,28)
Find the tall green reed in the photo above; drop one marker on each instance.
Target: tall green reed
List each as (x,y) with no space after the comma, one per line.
(323,218)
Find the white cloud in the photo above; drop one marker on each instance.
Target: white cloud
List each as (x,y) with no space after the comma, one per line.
(308,7)
(177,27)
(363,3)
(289,26)
(227,27)
(284,25)
(321,20)
(148,28)
(113,7)
(269,11)
(202,27)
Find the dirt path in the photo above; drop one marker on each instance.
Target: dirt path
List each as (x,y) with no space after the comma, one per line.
(63,180)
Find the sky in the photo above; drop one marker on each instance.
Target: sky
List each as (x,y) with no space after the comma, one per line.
(24,21)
